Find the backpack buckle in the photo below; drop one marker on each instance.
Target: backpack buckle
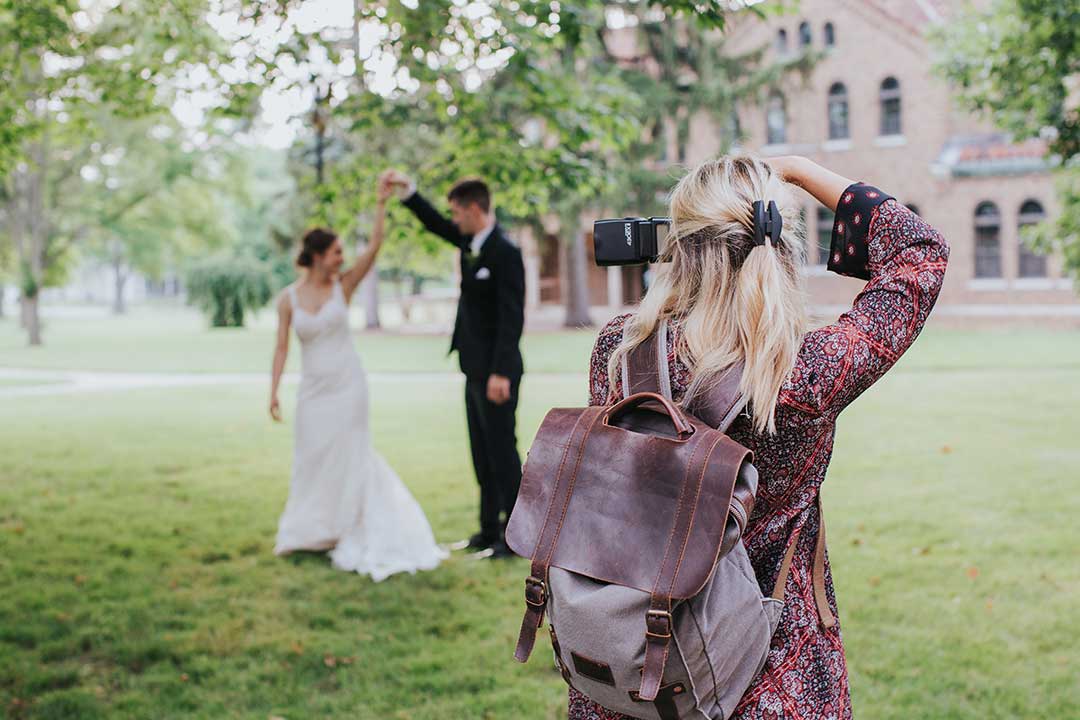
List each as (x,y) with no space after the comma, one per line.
(658,624)
(535,592)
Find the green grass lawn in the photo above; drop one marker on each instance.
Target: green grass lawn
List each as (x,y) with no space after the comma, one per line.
(137,581)
(178,340)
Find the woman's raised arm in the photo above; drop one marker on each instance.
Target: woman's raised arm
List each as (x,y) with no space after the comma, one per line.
(351,278)
(903,260)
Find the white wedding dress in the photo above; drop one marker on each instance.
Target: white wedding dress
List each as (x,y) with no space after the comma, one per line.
(343,496)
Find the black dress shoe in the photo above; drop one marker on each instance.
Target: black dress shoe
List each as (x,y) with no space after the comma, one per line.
(480,541)
(500,549)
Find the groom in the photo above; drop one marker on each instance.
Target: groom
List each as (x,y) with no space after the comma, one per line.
(487,331)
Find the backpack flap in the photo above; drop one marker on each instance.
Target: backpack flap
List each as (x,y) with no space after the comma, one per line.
(613,497)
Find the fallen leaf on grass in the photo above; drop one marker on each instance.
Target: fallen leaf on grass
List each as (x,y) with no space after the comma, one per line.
(297,647)
(921,551)
(79,579)
(184,677)
(875,581)
(945,449)
(856,541)
(973,572)
(332,661)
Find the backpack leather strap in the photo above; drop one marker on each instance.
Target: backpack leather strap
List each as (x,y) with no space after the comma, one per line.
(817,572)
(645,368)
(536,585)
(659,624)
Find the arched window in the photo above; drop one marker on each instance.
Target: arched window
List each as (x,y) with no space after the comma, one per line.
(913,208)
(805,37)
(890,106)
(776,119)
(838,112)
(830,35)
(781,41)
(987,241)
(1032,265)
(825,218)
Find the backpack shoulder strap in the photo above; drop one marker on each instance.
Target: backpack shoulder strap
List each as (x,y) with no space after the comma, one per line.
(721,403)
(645,368)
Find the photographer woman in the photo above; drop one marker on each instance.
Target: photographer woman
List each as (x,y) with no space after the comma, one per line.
(728,299)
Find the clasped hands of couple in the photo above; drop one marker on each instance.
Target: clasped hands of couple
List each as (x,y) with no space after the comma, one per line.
(469,219)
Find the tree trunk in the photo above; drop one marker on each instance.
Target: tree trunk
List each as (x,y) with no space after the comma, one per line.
(32,320)
(2,289)
(369,290)
(119,280)
(577,282)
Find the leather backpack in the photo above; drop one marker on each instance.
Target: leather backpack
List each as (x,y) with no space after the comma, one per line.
(632,515)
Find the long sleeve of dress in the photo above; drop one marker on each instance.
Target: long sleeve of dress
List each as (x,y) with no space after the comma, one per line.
(903,259)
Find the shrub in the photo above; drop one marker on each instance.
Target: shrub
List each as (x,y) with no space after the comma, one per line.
(225,287)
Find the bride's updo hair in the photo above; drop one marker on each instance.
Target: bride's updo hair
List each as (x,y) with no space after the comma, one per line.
(316,241)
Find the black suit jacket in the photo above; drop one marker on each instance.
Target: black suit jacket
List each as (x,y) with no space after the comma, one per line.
(491,309)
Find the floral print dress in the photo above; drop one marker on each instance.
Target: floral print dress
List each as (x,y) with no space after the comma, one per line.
(903,259)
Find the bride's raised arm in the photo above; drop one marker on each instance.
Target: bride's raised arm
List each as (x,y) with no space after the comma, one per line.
(352,277)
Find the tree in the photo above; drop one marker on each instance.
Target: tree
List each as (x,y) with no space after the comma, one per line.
(228,286)
(149,198)
(1019,62)
(63,64)
(516,94)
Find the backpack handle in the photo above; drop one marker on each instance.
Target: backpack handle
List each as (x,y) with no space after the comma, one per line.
(682,425)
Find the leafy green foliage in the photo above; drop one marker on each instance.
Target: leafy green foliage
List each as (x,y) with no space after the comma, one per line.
(1019,62)
(225,287)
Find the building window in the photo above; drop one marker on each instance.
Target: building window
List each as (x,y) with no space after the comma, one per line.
(825,219)
(838,112)
(987,241)
(890,107)
(830,35)
(804,35)
(781,41)
(776,120)
(1032,264)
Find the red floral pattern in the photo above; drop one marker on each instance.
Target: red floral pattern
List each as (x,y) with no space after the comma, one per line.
(805,676)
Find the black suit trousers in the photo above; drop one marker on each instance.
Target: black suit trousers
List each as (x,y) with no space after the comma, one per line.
(493,439)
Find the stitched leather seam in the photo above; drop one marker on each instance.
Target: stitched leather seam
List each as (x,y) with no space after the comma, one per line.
(693,513)
(678,512)
(555,490)
(570,490)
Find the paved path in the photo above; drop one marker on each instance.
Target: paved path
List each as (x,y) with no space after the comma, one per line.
(30,382)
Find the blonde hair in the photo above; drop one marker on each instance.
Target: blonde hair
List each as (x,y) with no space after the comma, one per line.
(735,301)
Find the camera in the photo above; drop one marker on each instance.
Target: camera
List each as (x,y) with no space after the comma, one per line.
(629,241)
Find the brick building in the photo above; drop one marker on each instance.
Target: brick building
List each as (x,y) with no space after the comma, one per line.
(873,109)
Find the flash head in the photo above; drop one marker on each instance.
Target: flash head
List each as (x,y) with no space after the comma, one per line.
(629,241)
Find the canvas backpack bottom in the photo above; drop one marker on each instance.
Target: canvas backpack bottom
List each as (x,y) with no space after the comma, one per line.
(720,642)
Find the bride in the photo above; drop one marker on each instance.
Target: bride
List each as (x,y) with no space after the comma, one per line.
(343,496)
